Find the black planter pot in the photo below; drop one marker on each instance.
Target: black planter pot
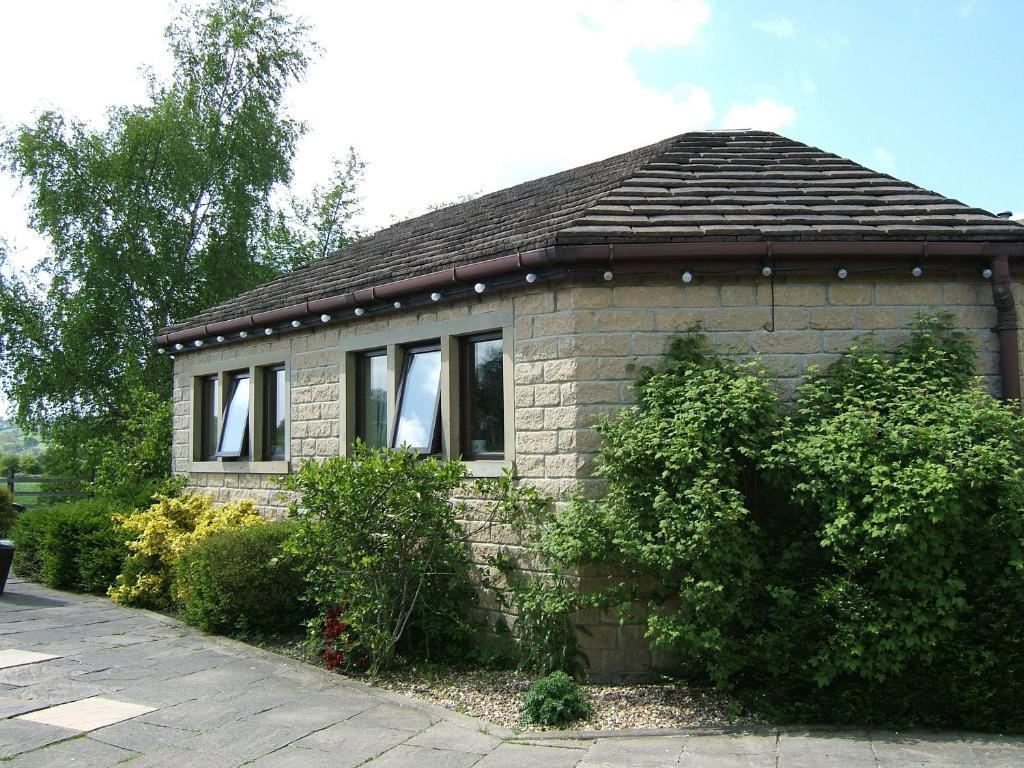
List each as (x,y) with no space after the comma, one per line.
(6,558)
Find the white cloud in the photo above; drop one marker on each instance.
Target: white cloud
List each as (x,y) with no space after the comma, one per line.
(884,159)
(780,27)
(764,114)
(476,96)
(439,98)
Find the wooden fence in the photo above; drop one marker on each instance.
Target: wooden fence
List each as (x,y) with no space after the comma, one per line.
(44,488)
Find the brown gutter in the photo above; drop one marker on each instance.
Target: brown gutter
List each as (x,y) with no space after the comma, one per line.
(609,255)
(1006,328)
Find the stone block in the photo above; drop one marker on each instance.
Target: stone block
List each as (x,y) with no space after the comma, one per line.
(560,417)
(650,344)
(594,345)
(586,297)
(544,441)
(529,350)
(832,318)
(799,295)
(736,319)
(737,296)
(559,370)
(631,320)
(677,320)
(648,296)
(788,342)
(529,373)
(535,303)
(547,394)
(700,296)
(908,294)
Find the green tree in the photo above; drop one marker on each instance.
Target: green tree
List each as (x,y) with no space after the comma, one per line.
(159,213)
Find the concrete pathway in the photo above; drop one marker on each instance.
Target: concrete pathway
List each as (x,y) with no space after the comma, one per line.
(88,684)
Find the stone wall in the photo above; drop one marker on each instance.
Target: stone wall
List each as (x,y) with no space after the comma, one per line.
(574,348)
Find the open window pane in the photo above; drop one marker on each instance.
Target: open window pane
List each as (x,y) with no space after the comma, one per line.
(483,409)
(210,416)
(372,398)
(420,403)
(234,436)
(275,408)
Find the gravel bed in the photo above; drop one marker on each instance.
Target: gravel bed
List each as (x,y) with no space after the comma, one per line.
(496,696)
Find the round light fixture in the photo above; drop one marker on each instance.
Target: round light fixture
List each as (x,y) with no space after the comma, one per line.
(531,277)
(687,276)
(842,274)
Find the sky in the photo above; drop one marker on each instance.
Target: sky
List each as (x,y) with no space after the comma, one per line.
(452,98)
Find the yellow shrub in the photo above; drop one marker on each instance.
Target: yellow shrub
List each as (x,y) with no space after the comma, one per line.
(161,533)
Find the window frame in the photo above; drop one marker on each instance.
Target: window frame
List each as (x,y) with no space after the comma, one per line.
(424,329)
(256,462)
(362,359)
(207,451)
(245,449)
(269,403)
(436,447)
(467,379)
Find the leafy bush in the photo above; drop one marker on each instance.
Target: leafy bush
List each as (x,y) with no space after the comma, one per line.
(75,545)
(29,533)
(556,700)
(157,537)
(685,507)
(860,560)
(240,581)
(914,478)
(384,557)
(6,512)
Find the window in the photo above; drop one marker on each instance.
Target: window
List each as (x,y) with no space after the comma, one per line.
(209,416)
(483,402)
(275,409)
(234,435)
(372,398)
(418,425)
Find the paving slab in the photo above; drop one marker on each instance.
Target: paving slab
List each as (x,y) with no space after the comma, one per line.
(405,755)
(17,736)
(215,703)
(76,753)
(446,735)
(13,657)
(651,752)
(87,714)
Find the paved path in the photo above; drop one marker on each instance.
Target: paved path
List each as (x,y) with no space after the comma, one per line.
(88,684)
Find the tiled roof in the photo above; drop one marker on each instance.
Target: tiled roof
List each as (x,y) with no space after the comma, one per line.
(710,186)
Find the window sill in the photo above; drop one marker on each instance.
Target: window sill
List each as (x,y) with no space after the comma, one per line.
(241,467)
(487,468)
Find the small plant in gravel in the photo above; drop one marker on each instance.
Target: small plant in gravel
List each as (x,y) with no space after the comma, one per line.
(556,700)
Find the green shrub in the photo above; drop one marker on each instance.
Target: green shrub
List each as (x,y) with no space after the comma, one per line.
(158,535)
(685,508)
(240,581)
(29,532)
(556,700)
(6,513)
(75,545)
(383,554)
(859,560)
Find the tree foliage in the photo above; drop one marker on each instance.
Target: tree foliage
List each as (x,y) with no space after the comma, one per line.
(164,210)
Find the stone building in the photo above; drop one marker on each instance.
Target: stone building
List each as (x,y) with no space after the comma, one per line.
(501,328)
